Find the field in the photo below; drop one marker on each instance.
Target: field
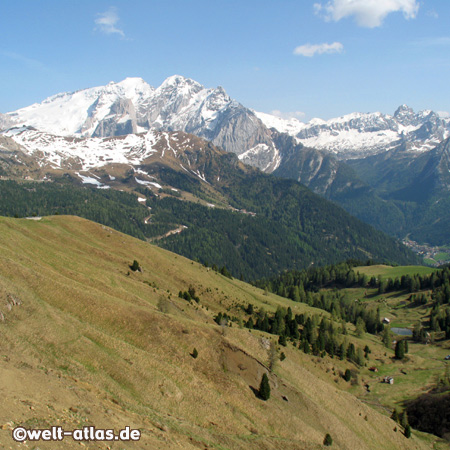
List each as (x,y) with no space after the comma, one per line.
(393,272)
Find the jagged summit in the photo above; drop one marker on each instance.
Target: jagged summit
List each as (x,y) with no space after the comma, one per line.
(133,106)
(357,135)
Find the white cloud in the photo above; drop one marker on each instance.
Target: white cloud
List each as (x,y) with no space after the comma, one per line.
(28,62)
(288,115)
(367,13)
(433,14)
(433,42)
(312,49)
(107,22)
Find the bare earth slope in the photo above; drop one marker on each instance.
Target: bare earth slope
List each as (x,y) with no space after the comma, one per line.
(86,341)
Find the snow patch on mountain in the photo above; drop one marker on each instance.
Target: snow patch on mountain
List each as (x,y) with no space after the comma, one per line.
(87,153)
(90,180)
(265,157)
(80,113)
(291,126)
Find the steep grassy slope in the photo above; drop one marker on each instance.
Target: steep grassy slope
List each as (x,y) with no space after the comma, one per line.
(85,340)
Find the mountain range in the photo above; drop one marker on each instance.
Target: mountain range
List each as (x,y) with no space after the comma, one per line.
(371,164)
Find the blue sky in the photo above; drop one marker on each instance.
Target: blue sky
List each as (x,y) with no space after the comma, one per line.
(317,58)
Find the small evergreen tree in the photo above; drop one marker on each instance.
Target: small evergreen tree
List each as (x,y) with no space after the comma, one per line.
(400,349)
(194,353)
(264,388)
(394,416)
(135,266)
(348,375)
(408,431)
(387,337)
(360,327)
(404,420)
(328,440)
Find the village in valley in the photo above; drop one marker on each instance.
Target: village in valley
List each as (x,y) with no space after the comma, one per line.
(432,256)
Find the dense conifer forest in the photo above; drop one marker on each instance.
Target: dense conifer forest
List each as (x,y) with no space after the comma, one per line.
(290,228)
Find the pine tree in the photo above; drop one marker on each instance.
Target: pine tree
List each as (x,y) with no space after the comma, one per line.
(360,327)
(264,388)
(400,349)
(135,266)
(387,337)
(328,441)
(194,353)
(348,375)
(408,431)
(394,415)
(404,420)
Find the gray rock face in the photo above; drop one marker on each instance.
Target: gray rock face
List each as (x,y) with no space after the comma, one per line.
(120,121)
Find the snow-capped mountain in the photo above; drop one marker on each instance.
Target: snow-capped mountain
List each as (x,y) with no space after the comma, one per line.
(358,135)
(131,106)
(182,104)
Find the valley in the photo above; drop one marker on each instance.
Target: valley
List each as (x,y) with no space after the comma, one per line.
(140,335)
(225,225)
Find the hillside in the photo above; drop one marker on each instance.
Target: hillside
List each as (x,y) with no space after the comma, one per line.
(85,340)
(228,214)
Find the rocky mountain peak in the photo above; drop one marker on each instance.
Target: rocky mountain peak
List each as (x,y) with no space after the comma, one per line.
(403,110)
(405,116)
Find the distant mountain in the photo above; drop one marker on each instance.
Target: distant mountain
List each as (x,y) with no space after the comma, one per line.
(417,185)
(182,104)
(358,135)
